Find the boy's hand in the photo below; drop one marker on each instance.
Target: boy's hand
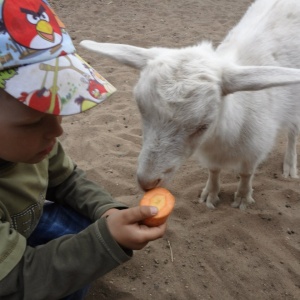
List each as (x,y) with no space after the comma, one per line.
(124,225)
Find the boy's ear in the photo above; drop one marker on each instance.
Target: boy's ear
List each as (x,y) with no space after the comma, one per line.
(132,56)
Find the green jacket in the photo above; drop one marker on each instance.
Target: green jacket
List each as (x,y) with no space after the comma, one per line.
(66,264)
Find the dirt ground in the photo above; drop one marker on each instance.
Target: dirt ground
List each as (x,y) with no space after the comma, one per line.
(206,254)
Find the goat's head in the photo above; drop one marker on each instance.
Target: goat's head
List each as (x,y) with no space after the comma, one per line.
(178,95)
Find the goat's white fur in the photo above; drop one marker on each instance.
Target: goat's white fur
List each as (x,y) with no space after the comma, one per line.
(226,105)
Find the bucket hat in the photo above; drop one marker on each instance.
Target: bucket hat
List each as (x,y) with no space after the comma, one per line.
(39,65)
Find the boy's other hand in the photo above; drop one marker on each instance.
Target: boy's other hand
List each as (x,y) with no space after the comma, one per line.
(126,228)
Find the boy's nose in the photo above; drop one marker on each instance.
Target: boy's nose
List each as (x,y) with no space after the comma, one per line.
(54,127)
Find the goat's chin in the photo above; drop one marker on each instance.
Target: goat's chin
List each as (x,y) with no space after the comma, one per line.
(159,181)
(167,178)
(165,181)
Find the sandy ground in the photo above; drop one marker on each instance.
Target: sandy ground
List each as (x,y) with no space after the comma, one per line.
(205,254)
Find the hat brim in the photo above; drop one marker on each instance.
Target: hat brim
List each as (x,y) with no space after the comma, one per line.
(65,85)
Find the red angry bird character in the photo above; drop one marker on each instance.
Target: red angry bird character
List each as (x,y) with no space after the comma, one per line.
(96,89)
(31,24)
(42,100)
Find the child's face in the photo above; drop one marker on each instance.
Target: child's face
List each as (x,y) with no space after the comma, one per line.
(26,135)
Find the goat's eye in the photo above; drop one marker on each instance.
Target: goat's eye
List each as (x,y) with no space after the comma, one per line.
(170,170)
(200,129)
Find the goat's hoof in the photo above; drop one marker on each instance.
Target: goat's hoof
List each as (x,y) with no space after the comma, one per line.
(246,202)
(203,196)
(211,200)
(242,202)
(237,201)
(287,171)
(243,206)
(202,199)
(294,175)
(235,204)
(286,174)
(210,205)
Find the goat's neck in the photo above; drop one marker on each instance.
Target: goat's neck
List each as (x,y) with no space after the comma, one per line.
(226,128)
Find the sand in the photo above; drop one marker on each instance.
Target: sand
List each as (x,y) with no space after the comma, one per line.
(205,254)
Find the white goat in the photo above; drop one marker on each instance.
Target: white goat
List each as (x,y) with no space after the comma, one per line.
(225,105)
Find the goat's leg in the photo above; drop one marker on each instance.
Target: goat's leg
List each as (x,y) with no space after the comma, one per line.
(243,195)
(212,188)
(290,157)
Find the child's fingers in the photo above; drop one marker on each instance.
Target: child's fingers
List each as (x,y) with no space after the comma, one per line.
(139,213)
(153,233)
(126,228)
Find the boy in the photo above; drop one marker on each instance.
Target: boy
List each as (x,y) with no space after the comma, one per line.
(58,230)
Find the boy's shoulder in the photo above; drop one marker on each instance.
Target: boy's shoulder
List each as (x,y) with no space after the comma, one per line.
(23,187)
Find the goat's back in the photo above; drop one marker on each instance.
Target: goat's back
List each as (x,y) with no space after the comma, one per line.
(268,34)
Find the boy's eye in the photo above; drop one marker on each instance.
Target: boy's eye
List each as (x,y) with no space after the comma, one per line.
(37,122)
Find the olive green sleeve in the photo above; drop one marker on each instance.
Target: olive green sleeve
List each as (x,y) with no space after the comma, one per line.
(83,195)
(64,265)
(68,184)
(12,244)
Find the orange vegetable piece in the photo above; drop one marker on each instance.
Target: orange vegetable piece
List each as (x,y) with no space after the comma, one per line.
(163,200)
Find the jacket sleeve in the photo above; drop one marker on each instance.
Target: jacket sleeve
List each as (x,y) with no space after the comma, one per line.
(68,184)
(83,195)
(12,244)
(63,265)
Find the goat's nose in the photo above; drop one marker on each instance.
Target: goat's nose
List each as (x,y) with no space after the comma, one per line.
(148,184)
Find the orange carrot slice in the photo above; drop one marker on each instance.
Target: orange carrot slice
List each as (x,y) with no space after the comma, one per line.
(163,200)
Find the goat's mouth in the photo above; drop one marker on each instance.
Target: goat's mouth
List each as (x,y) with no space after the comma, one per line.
(148,184)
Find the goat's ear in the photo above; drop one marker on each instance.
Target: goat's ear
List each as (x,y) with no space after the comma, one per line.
(132,56)
(236,78)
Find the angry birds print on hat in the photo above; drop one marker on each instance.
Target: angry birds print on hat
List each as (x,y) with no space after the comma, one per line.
(38,61)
